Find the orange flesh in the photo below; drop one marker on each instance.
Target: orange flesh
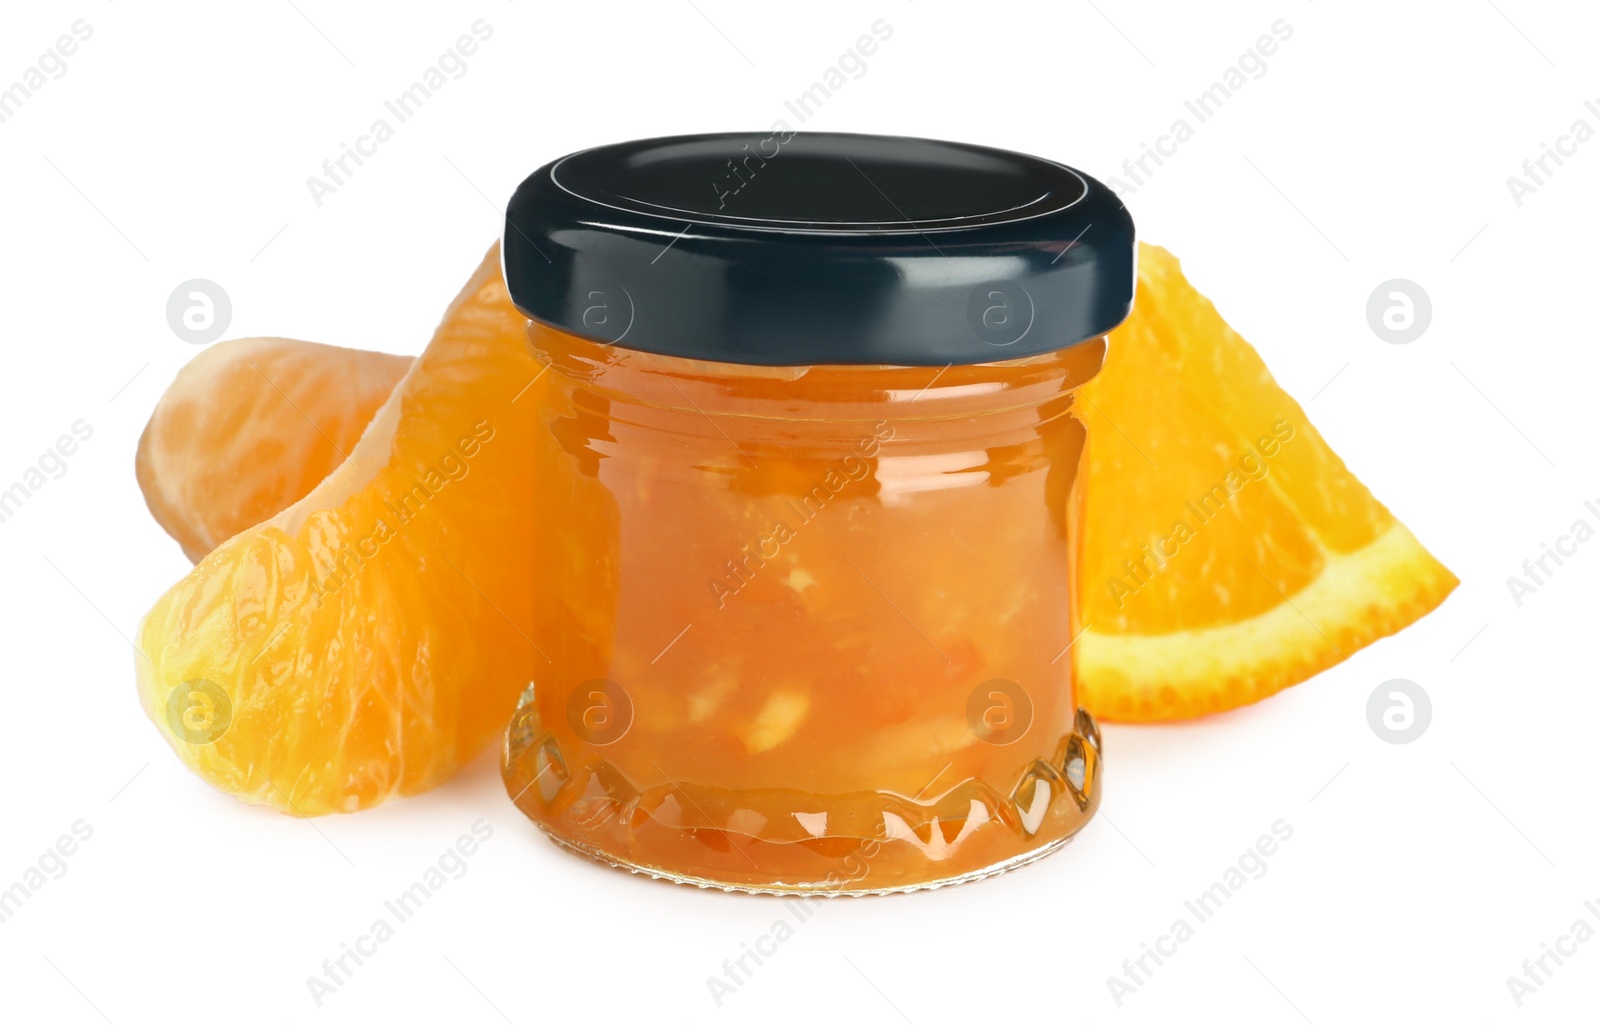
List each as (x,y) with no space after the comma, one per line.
(798,580)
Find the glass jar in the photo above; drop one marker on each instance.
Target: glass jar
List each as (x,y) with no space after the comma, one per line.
(809,491)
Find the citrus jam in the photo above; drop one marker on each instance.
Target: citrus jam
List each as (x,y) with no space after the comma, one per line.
(807,624)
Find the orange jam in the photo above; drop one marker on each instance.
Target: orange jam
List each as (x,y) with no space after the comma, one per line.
(808,628)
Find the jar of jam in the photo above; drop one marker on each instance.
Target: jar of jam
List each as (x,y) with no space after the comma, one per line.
(809,490)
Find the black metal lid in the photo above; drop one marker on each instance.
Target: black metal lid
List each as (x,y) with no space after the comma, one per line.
(793,248)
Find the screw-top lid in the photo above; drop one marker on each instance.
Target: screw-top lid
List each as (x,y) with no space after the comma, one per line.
(797,248)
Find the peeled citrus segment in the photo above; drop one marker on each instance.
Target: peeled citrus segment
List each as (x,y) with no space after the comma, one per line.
(373,637)
(1228,552)
(249,427)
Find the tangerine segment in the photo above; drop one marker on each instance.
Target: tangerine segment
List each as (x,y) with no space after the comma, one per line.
(371,638)
(250,426)
(1228,551)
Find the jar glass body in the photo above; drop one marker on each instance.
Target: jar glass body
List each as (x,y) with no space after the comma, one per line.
(806,629)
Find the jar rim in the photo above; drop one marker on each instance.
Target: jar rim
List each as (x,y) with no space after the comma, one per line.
(839,393)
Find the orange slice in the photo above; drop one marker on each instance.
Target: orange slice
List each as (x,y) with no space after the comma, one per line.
(1229,552)
(373,637)
(249,427)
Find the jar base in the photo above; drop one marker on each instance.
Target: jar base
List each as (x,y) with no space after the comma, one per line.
(713,838)
(820,889)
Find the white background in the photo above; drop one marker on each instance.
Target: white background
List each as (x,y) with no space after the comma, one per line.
(1377,145)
